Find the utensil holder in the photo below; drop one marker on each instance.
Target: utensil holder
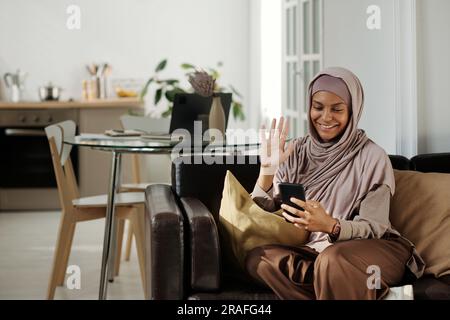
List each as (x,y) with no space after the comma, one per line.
(100,88)
(103,87)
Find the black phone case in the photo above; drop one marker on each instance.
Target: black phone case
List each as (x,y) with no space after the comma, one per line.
(292,190)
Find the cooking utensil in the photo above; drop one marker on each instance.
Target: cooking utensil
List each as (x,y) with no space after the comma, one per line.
(9,79)
(15,83)
(17,78)
(108,70)
(92,69)
(49,92)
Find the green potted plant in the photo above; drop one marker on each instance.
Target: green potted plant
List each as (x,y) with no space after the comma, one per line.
(165,89)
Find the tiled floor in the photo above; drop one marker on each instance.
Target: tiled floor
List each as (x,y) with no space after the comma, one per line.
(27,241)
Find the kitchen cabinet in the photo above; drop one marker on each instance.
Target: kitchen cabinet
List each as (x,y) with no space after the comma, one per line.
(94,166)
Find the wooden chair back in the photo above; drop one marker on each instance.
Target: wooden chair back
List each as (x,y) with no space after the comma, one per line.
(62,164)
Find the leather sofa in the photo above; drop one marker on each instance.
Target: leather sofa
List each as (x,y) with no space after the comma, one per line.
(183,256)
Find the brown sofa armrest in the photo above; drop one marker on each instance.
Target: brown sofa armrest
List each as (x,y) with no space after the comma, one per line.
(204,246)
(164,244)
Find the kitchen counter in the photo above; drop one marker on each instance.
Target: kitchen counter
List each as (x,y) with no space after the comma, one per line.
(25,122)
(91,104)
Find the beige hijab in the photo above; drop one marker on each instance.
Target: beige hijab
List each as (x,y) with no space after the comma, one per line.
(339,174)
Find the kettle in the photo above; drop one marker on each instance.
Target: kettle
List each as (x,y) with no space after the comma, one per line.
(15,83)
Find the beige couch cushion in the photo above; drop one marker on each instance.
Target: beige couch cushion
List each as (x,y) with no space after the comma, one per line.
(244,225)
(420,210)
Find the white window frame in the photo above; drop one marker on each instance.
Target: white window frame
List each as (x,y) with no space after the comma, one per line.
(294,93)
(406,75)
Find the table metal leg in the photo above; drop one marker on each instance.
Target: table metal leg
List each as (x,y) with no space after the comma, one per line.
(115,168)
(114,244)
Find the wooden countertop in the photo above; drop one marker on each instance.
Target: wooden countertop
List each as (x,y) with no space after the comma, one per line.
(91,104)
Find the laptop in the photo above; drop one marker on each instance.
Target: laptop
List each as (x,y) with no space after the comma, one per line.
(188,108)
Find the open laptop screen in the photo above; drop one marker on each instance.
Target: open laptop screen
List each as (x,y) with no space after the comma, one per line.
(188,108)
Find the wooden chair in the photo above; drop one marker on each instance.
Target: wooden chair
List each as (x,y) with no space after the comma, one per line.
(146,124)
(129,206)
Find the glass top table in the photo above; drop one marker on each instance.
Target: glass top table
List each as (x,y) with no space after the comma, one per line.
(146,145)
(121,145)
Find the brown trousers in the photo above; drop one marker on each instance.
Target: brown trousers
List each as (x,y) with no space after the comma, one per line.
(346,270)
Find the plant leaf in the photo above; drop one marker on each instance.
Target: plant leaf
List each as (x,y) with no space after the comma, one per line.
(187,66)
(170,94)
(241,115)
(158,95)
(145,89)
(171,81)
(179,90)
(218,88)
(161,65)
(233,89)
(132,112)
(167,113)
(237,111)
(214,73)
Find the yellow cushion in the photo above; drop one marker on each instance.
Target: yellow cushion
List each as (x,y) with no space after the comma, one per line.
(244,225)
(420,210)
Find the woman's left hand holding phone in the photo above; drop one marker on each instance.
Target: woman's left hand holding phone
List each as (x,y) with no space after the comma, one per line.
(313,219)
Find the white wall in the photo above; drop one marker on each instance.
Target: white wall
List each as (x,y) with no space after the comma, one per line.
(370,55)
(433,27)
(132,35)
(254,114)
(265,60)
(271,59)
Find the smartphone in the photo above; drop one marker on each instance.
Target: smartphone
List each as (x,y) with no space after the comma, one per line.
(292,190)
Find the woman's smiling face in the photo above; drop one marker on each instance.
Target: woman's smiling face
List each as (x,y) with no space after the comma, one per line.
(329,115)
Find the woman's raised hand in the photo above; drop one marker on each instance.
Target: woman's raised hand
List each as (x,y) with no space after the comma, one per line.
(273,152)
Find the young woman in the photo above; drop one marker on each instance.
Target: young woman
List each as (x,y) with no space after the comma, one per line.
(352,252)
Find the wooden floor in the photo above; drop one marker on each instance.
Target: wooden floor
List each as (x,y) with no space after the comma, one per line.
(27,241)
